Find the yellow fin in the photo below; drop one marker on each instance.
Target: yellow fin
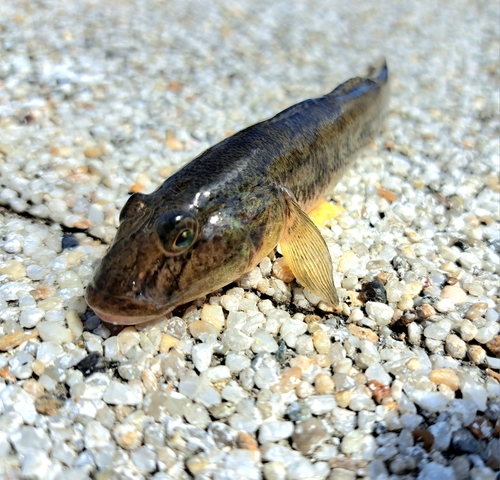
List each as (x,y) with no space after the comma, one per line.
(306,253)
(324,212)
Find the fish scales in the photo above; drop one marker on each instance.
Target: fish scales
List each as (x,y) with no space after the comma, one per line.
(223,212)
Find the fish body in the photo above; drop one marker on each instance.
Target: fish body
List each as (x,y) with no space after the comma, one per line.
(217,217)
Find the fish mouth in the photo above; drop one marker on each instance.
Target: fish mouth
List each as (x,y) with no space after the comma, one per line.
(119,310)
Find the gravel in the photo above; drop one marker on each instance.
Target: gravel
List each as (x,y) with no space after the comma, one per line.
(257,380)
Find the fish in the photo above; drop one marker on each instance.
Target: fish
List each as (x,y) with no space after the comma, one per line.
(223,212)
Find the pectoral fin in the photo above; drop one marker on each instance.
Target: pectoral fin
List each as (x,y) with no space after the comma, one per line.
(306,253)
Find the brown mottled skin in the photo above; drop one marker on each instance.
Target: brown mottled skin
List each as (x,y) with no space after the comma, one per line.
(231,197)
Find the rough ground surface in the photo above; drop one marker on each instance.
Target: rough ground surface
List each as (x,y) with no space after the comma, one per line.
(98,99)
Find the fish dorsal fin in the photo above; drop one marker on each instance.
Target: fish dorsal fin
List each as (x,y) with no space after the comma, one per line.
(306,253)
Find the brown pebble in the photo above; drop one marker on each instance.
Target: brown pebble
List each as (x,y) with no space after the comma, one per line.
(14,339)
(7,375)
(445,376)
(363,333)
(481,428)
(425,437)
(174,86)
(476,311)
(83,224)
(48,405)
(494,345)
(379,390)
(172,143)
(92,152)
(386,194)
(43,291)
(476,354)
(137,188)
(247,442)
(426,311)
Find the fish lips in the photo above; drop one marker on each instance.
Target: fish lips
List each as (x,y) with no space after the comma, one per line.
(121,310)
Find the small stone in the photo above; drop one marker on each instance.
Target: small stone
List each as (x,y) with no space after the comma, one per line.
(15,339)
(274,470)
(363,333)
(96,436)
(236,341)
(494,345)
(197,464)
(467,330)
(374,291)
(426,311)
(323,384)
(481,428)
(309,434)
(379,312)
(127,435)
(48,405)
(356,442)
(464,442)
(202,356)
(455,346)
(445,376)
(491,454)
(476,354)
(347,261)
(424,436)
(321,341)
(433,470)
(456,294)
(118,393)
(438,330)
(282,271)
(54,332)
(167,342)
(275,430)
(263,342)
(223,435)
(214,315)
(487,333)
(476,311)
(93,152)
(379,390)
(247,442)
(14,269)
(200,327)
(342,474)
(144,459)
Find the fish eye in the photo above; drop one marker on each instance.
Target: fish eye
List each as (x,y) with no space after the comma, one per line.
(176,231)
(135,205)
(184,239)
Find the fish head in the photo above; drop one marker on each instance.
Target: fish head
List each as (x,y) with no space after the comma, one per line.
(164,257)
